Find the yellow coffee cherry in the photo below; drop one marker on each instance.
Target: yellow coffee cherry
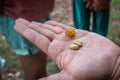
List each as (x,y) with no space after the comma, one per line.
(74,47)
(70,32)
(78,42)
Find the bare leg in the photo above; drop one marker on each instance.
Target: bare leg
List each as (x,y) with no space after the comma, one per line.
(34,66)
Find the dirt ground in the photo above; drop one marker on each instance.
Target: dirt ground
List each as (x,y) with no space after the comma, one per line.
(63,12)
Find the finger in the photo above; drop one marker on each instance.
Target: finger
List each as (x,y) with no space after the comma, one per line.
(95,8)
(40,29)
(23,21)
(59,76)
(54,23)
(33,36)
(88,5)
(55,29)
(85,1)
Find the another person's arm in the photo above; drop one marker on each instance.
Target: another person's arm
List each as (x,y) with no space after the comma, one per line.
(97,5)
(100,5)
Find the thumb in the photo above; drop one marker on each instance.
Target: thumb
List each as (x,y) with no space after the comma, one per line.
(59,76)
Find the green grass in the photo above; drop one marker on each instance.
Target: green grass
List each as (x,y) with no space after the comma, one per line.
(7,53)
(114,22)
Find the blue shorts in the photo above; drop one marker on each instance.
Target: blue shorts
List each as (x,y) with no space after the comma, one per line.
(18,43)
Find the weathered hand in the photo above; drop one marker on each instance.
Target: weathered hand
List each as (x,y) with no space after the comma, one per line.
(97,59)
(99,5)
(89,3)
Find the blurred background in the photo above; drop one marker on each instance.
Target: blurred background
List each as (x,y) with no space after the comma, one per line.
(62,13)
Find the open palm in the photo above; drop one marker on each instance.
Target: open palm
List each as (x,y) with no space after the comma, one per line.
(95,60)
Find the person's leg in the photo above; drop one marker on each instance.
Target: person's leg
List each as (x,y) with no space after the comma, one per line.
(34,66)
(81,15)
(101,21)
(33,61)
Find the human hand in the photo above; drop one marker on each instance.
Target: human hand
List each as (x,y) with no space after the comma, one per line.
(99,5)
(89,3)
(97,59)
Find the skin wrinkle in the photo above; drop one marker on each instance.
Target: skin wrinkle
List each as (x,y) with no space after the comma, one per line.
(118,72)
(112,64)
(109,67)
(113,74)
(62,59)
(74,78)
(115,70)
(59,58)
(71,73)
(52,47)
(117,75)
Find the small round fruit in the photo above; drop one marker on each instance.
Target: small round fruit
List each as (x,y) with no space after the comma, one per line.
(70,32)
